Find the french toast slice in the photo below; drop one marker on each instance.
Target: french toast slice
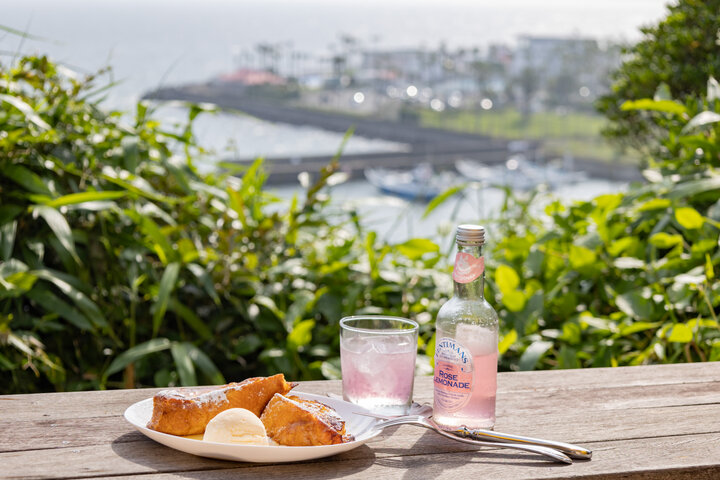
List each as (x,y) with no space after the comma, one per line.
(187,411)
(293,421)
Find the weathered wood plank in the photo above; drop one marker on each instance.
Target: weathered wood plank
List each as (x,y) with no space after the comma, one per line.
(537,388)
(555,382)
(667,419)
(58,406)
(563,380)
(609,398)
(573,426)
(693,456)
(617,377)
(578,426)
(601,397)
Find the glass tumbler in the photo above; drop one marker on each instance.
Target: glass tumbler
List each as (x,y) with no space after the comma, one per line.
(377,355)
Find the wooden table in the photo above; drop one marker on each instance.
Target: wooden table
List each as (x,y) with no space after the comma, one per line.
(641,422)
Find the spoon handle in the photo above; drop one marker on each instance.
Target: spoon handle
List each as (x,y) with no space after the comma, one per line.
(573,451)
(556,455)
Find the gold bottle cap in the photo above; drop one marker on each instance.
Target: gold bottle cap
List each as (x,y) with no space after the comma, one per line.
(470,235)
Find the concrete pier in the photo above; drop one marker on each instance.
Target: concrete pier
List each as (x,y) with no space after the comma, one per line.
(438,147)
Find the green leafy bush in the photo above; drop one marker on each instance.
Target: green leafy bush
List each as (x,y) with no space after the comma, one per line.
(679,53)
(122,265)
(626,278)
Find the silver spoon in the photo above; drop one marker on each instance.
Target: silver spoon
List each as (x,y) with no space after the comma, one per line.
(573,451)
(429,423)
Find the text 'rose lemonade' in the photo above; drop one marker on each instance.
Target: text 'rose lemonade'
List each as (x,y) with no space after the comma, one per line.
(465,379)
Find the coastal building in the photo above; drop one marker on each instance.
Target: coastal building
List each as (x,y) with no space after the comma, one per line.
(414,65)
(559,71)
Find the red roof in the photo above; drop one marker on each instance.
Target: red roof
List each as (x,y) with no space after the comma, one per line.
(248,76)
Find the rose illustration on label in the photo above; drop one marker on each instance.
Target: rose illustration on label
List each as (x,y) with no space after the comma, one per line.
(467,267)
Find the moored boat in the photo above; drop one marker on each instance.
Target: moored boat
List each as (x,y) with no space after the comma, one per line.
(517,173)
(421,184)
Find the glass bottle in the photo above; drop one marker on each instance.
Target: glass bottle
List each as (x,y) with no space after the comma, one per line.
(466,345)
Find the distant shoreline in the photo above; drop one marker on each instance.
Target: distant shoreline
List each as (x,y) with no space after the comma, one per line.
(441,148)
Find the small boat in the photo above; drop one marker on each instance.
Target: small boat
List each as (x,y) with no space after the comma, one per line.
(500,176)
(557,177)
(518,173)
(421,184)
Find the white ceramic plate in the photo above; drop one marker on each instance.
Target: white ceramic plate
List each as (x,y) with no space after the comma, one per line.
(359,426)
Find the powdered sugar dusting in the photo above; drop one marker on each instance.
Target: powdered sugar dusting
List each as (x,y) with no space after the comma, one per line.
(322,412)
(203,396)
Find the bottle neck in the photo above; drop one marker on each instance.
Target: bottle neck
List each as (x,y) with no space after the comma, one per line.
(473,290)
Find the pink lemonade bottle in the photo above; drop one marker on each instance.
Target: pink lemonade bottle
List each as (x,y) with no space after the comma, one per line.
(466,342)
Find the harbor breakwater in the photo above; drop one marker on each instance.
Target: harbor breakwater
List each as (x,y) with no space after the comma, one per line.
(437,147)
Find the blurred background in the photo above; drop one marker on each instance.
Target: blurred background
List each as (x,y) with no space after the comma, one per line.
(223,181)
(506,91)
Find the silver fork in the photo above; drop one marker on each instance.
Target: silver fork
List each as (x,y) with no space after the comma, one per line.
(427,422)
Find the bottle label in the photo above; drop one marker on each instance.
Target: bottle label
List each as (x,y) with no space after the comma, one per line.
(453,375)
(467,267)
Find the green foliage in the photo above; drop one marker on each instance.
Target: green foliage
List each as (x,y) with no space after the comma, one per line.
(626,278)
(674,59)
(122,265)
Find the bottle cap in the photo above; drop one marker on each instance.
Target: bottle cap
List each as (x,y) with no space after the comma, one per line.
(473,235)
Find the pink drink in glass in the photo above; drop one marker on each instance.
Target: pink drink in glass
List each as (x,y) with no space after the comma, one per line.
(378,371)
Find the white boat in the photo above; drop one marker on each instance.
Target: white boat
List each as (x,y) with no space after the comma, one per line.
(518,173)
(420,184)
(498,176)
